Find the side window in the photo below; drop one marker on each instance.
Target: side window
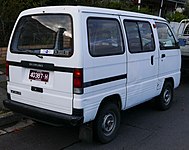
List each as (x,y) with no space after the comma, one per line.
(186,31)
(146,36)
(104,37)
(140,36)
(166,38)
(134,41)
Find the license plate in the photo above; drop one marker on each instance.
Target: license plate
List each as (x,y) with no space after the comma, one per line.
(39,75)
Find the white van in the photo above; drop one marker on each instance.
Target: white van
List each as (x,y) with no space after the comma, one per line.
(183,36)
(78,65)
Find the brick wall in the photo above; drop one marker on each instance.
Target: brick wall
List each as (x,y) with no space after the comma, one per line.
(3,53)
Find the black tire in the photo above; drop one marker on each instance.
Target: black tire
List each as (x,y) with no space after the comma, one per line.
(107,123)
(164,100)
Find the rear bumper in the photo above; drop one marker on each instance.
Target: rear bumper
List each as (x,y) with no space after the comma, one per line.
(43,115)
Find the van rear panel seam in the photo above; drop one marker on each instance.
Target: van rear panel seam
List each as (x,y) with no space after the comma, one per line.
(38,65)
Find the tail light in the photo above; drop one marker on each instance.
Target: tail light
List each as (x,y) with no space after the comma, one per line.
(7,71)
(78,81)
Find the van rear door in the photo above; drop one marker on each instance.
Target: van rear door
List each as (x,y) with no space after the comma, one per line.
(39,74)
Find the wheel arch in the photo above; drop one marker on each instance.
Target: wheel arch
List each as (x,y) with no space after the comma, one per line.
(115,98)
(107,120)
(170,79)
(164,100)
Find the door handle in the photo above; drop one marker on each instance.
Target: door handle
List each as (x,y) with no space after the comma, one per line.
(152,60)
(162,55)
(37,89)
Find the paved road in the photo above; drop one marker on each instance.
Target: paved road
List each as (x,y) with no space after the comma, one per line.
(142,127)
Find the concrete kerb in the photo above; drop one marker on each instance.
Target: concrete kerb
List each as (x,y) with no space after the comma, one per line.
(6,116)
(9,118)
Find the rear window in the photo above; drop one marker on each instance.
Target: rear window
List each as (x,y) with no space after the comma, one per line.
(44,35)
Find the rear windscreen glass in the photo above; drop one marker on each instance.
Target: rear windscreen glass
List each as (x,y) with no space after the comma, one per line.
(44,34)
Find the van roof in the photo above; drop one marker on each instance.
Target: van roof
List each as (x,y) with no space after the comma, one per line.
(87,9)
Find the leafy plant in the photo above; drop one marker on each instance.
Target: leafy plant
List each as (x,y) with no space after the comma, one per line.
(176,17)
(10,10)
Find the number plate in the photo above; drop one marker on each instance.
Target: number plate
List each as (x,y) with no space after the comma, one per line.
(39,75)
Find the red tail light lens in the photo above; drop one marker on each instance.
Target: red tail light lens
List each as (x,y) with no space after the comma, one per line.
(7,71)
(78,81)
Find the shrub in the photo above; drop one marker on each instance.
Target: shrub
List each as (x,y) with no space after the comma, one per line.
(176,17)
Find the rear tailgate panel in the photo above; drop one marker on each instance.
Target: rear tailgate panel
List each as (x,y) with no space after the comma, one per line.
(56,95)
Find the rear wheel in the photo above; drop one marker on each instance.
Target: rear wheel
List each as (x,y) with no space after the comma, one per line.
(107,123)
(164,100)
